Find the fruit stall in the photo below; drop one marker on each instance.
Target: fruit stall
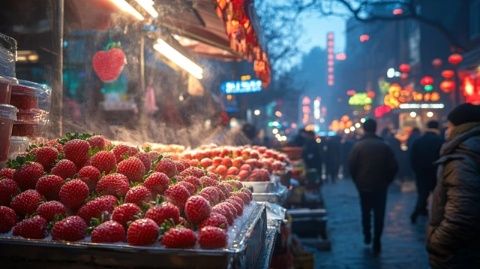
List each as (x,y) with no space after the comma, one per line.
(100,199)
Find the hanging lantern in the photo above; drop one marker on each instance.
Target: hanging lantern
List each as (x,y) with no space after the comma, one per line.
(447,86)
(426,80)
(448,74)
(351,92)
(455,59)
(437,62)
(434,97)
(468,87)
(404,68)
(371,94)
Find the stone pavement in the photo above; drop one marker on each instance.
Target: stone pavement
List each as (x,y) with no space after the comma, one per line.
(402,242)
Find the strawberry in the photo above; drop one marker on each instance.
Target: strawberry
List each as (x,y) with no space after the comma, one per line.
(123,152)
(225,188)
(64,169)
(237,162)
(104,161)
(27,175)
(197,209)
(238,205)
(238,198)
(125,213)
(206,162)
(243,174)
(145,158)
(193,163)
(216,220)
(190,187)
(248,192)
(177,195)
(46,156)
(98,142)
(207,181)
(235,184)
(142,232)
(163,212)
(71,228)
(7,172)
(225,211)
(97,206)
(26,202)
(216,161)
(34,228)
(246,167)
(221,170)
(8,189)
(90,175)
(73,193)
(76,150)
(49,186)
(114,184)
(179,237)
(211,194)
(221,195)
(51,209)
(227,161)
(8,218)
(233,171)
(56,144)
(167,167)
(213,176)
(243,196)
(108,232)
(193,171)
(232,208)
(157,183)
(212,237)
(138,195)
(194,181)
(132,168)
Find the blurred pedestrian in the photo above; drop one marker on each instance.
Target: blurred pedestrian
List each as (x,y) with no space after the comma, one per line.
(311,153)
(332,160)
(347,145)
(373,167)
(424,151)
(414,135)
(453,239)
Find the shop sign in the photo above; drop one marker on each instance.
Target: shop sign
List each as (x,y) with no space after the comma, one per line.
(244,86)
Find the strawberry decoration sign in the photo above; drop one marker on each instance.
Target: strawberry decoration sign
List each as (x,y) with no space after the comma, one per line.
(109,63)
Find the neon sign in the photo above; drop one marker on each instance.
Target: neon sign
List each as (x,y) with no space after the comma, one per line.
(244,86)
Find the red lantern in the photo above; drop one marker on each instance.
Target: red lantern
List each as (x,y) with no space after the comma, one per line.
(437,62)
(403,76)
(448,74)
(455,59)
(426,80)
(351,92)
(371,94)
(447,86)
(404,68)
(381,111)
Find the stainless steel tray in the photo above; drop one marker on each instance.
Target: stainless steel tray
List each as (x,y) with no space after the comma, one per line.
(244,248)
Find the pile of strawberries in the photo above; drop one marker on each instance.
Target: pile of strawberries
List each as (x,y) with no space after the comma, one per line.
(82,185)
(248,163)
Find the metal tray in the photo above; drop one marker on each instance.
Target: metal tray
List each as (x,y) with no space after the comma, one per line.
(243,251)
(276,196)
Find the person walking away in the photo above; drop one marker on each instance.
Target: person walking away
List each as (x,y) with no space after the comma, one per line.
(373,167)
(453,236)
(333,157)
(424,151)
(414,135)
(311,153)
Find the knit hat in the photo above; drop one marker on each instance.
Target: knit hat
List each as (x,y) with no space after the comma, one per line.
(464,113)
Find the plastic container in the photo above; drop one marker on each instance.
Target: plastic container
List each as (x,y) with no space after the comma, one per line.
(18,146)
(6,84)
(8,54)
(30,122)
(30,95)
(8,114)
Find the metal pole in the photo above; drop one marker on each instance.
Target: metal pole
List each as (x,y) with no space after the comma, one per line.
(56,111)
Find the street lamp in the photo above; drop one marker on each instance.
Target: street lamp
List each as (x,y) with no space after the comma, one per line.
(257,112)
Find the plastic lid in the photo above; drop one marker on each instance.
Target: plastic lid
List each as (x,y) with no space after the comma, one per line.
(9,43)
(19,140)
(8,112)
(10,80)
(29,87)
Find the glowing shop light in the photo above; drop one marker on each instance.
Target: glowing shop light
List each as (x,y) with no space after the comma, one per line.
(316,108)
(363,120)
(391,72)
(429,114)
(352,128)
(422,106)
(257,112)
(275,131)
(126,7)
(358,125)
(278,113)
(179,59)
(148,6)
(347,131)
(413,114)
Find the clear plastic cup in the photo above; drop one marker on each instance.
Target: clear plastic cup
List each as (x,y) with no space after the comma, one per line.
(8,53)
(30,122)
(18,146)
(8,114)
(6,84)
(30,95)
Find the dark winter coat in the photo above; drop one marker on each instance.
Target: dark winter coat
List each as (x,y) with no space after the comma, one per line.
(453,239)
(424,152)
(311,155)
(372,164)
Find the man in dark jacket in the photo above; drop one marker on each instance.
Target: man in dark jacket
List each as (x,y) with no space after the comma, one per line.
(453,239)
(373,167)
(424,152)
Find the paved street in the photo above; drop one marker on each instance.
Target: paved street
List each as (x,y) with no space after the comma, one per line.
(403,243)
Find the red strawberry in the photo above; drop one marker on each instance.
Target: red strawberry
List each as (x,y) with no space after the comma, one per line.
(237,162)
(49,186)
(206,162)
(211,194)
(212,237)
(97,206)
(193,163)
(238,205)
(108,64)
(34,228)
(76,150)
(157,183)
(233,171)
(145,158)
(167,167)
(243,174)
(8,189)
(7,172)
(98,142)
(108,232)
(90,175)
(104,161)
(27,175)
(125,213)
(190,187)
(49,210)
(163,212)
(181,165)
(64,169)
(193,180)
(208,181)
(46,156)
(114,184)
(8,218)
(54,143)
(138,195)
(225,188)
(235,184)
(177,195)
(193,171)
(221,170)
(238,198)
(216,220)
(243,196)
(71,228)
(142,232)
(217,161)
(73,193)
(246,167)
(26,202)
(197,209)
(248,192)
(225,211)
(227,161)
(179,237)
(221,195)
(132,168)
(232,208)
(213,176)
(122,152)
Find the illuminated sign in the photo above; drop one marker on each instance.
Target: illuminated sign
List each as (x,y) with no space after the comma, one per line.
(360,99)
(422,106)
(330,59)
(244,86)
